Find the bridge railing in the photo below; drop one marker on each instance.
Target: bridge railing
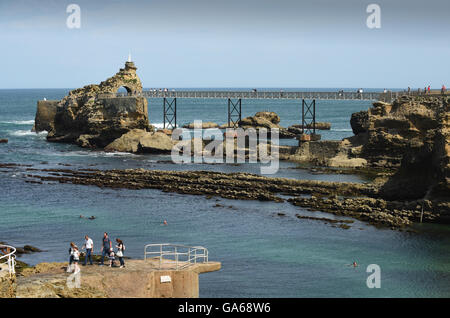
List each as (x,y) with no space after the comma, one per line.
(7,259)
(175,256)
(336,95)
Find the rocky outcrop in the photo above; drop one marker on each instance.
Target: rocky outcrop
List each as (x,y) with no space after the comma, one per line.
(298,129)
(204,125)
(266,120)
(45,115)
(92,116)
(412,135)
(3,141)
(359,122)
(142,141)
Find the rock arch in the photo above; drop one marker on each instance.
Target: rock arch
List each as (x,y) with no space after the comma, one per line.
(126,77)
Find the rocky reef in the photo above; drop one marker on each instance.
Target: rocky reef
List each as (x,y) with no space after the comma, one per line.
(363,201)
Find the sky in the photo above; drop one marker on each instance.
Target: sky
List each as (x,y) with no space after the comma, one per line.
(227,43)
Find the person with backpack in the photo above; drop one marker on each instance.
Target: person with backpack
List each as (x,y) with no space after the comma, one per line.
(76,259)
(120,249)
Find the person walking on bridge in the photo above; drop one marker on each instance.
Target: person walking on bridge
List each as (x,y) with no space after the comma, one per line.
(106,247)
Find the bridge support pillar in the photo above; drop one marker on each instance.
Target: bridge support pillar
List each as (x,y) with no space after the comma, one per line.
(309,117)
(234,112)
(170,113)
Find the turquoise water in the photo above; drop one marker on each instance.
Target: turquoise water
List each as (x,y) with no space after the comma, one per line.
(262,254)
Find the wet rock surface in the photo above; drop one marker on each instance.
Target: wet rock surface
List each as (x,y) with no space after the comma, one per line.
(360,201)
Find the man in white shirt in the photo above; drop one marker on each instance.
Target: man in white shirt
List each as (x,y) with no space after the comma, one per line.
(89,245)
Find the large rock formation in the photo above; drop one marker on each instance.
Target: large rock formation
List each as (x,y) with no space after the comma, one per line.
(138,140)
(93,116)
(411,134)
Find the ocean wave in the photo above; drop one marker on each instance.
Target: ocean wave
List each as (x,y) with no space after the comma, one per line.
(341,129)
(19,122)
(158,125)
(90,153)
(21,133)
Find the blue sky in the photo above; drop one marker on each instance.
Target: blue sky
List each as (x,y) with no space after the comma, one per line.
(210,43)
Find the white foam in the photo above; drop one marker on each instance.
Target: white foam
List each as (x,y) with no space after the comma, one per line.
(158,125)
(19,122)
(341,129)
(21,133)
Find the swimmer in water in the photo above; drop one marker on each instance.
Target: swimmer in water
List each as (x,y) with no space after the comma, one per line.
(165,222)
(354,264)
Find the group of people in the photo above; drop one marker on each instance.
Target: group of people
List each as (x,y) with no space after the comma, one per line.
(106,250)
(427,89)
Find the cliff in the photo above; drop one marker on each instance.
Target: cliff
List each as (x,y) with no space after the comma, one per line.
(411,135)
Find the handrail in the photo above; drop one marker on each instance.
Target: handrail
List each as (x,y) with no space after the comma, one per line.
(177,255)
(9,256)
(334,95)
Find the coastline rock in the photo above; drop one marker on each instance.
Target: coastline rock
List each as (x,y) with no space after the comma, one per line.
(297,129)
(45,115)
(3,141)
(204,125)
(359,122)
(266,120)
(93,116)
(141,141)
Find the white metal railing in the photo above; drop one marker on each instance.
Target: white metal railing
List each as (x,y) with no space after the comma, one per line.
(175,256)
(8,258)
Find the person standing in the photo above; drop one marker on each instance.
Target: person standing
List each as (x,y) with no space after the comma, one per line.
(429,89)
(89,245)
(76,259)
(106,247)
(444,89)
(120,249)
(71,249)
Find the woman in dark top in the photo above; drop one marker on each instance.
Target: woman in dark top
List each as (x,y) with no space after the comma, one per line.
(120,249)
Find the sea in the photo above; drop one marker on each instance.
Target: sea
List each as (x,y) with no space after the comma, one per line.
(262,253)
